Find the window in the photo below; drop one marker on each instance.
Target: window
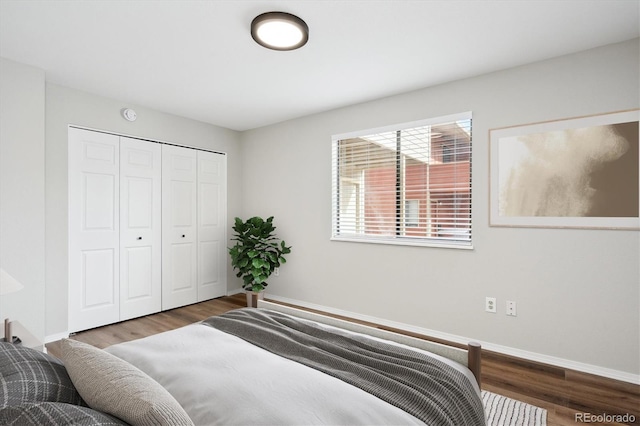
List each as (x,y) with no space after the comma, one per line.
(448,154)
(405,184)
(412,213)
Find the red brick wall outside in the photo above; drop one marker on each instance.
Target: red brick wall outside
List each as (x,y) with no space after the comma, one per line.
(447,181)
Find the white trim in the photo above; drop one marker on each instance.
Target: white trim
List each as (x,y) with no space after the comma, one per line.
(610,373)
(162,142)
(401,241)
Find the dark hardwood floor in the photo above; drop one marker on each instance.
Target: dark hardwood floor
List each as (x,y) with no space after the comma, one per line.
(564,393)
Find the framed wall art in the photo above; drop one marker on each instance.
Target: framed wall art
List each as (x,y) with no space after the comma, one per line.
(572,173)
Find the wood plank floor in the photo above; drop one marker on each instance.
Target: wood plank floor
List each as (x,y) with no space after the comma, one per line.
(564,393)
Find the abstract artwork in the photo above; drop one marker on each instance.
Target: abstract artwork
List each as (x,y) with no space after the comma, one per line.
(574,173)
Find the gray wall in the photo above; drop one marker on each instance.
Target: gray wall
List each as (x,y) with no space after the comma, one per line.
(577,290)
(66,107)
(22,196)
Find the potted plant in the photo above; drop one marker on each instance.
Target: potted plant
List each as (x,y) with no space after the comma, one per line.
(256,254)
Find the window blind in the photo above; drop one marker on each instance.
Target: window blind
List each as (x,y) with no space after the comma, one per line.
(407,184)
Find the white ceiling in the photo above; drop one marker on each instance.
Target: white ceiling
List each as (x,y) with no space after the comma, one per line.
(197,59)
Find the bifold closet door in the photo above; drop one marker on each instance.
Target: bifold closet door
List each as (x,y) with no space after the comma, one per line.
(212,208)
(140,228)
(94,290)
(146,227)
(179,227)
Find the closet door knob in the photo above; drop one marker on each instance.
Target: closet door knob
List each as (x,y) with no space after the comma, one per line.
(182,235)
(139,238)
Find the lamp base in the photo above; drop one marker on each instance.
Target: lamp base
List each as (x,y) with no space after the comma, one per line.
(8,335)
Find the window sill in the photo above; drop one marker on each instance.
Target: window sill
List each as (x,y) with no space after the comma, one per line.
(406,242)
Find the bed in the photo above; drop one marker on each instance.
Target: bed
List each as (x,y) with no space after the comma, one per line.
(277,365)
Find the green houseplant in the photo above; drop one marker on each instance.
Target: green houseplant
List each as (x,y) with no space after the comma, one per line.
(256,254)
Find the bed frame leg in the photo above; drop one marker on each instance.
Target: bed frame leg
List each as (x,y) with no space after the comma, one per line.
(475,361)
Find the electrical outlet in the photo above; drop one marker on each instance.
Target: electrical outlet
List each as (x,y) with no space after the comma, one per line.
(511,308)
(490,304)
(276,272)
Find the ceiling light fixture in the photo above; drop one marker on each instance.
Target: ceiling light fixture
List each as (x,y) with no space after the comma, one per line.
(279,31)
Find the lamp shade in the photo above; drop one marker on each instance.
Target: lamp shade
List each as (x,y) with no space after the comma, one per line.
(8,284)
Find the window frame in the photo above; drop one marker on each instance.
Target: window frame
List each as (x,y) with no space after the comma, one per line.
(398,239)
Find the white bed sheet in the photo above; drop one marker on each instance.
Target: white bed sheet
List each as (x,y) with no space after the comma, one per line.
(220,379)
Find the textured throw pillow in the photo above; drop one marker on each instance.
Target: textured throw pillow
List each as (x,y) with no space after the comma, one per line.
(28,375)
(112,385)
(55,414)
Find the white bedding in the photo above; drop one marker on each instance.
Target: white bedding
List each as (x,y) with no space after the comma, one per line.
(221,379)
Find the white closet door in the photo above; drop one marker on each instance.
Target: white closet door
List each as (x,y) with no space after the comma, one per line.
(179,227)
(212,202)
(93,229)
(140,228)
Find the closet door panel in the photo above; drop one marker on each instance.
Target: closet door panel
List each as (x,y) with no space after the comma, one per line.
(182,204)
(97,277)
(179,227)
(212,251)
(93,229)
(182,272)
(137,267)
(140,228)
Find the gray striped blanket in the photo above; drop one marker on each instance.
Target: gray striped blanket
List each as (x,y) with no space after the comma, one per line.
(427,388)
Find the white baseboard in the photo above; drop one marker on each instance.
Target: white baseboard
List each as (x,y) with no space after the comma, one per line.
(236,291)
(622,376)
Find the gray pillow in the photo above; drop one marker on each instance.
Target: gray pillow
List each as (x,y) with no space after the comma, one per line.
(112,385)
(28,375)
(55,414)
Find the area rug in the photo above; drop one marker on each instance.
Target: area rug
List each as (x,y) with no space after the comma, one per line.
(503,411)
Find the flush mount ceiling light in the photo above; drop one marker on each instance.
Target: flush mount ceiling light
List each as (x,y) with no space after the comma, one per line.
(279,31)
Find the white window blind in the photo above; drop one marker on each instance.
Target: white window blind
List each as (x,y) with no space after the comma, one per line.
(405,184)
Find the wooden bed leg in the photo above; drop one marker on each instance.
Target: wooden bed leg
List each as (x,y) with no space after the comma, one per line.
(475,360)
